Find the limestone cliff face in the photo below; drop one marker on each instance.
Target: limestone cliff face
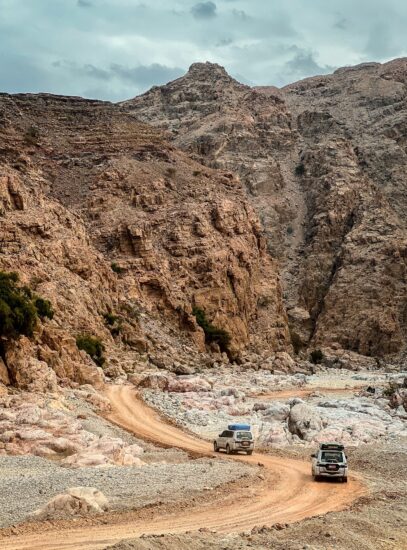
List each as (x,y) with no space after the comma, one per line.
(324,165)
(84,187)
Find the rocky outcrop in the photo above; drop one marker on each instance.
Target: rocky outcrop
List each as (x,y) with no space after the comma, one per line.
(323,162)
(124,234)
(76,501)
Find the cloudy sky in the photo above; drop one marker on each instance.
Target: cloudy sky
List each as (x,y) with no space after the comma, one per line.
(116,49)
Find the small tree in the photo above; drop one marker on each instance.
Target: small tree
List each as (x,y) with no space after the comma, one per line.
(18,312)
(316,356)
(32,135)
(300,169)
(44,308)
(93,347)
(212,334)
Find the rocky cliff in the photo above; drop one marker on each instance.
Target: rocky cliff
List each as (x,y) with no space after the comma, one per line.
(323,162)
(112,224)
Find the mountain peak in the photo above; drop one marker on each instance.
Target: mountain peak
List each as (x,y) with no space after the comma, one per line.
(207,70)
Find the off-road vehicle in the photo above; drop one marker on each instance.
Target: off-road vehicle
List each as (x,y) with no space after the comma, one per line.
(237,437)
(330,461)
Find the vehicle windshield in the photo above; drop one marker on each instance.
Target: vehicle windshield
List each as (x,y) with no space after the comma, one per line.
(331,456)
(243,435)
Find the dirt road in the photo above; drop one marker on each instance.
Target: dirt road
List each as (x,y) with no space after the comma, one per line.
(289,497)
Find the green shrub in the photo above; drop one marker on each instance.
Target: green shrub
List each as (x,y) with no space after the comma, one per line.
(93,347)
(300,169)
(316,356)
(116,268)
(296,342)
(171,171)
(290,230)
(32,135)
(44,308)
(212,333)
(19,310)
(390,389)
(110,319)
(114,323)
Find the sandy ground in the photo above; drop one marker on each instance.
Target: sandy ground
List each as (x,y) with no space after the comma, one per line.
(287,493)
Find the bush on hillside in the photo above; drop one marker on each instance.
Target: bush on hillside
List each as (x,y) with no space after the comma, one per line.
(316,356)
(212,334)
(93,347)
(19,308)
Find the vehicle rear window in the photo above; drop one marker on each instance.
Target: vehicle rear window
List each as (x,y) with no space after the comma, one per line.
(243,435)
(331,456)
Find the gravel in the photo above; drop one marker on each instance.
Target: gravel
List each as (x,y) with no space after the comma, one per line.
(27,483)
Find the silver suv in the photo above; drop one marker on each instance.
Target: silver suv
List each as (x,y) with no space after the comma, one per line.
(233,441)
(330,461)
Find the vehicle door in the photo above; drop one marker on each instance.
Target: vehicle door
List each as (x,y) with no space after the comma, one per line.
(222,439)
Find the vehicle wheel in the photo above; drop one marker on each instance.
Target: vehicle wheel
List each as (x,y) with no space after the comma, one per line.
(228,450)
(317,478)
(249,452)
(215,447)
(345,479)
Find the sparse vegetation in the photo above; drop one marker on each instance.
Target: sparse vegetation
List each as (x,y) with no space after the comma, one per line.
(44,308)
(116,268)
(196,173)
(212,333)
(114,323)
(290,230)
(93,346)
(296,342)
(171,171)
(264,301)
(19,308)
(300,169)
(32,135)
(316,356)
(391,389)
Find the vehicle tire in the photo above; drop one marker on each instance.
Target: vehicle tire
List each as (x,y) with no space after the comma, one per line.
(249,453)
(316,478)
(345,479)
(228,450)
(215,447)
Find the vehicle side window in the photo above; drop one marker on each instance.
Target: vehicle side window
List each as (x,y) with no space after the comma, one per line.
(229,434)
(224,434)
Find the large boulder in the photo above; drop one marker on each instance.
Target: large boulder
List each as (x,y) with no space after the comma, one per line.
(106,451)
(304,421)
(76,501)
(188,384)
(28,372)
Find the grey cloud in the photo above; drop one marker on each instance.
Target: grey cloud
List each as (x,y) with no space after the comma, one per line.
(204,10)
(84,3)
(146,75)
(342,23)
(304,64)
(240,14)
(380,43)
(224,42)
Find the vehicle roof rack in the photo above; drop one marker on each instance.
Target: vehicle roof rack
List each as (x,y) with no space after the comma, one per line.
(239,427)
(331,447)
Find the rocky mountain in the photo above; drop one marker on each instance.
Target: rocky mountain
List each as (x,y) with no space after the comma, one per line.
(323,162)
(125,234)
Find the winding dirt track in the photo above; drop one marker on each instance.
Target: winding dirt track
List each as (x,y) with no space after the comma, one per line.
(292,496)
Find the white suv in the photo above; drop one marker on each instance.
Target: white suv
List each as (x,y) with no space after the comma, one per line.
(233,441)
(330,461)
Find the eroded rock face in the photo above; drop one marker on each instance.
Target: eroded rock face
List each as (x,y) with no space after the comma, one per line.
(324,165)
(101,215)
